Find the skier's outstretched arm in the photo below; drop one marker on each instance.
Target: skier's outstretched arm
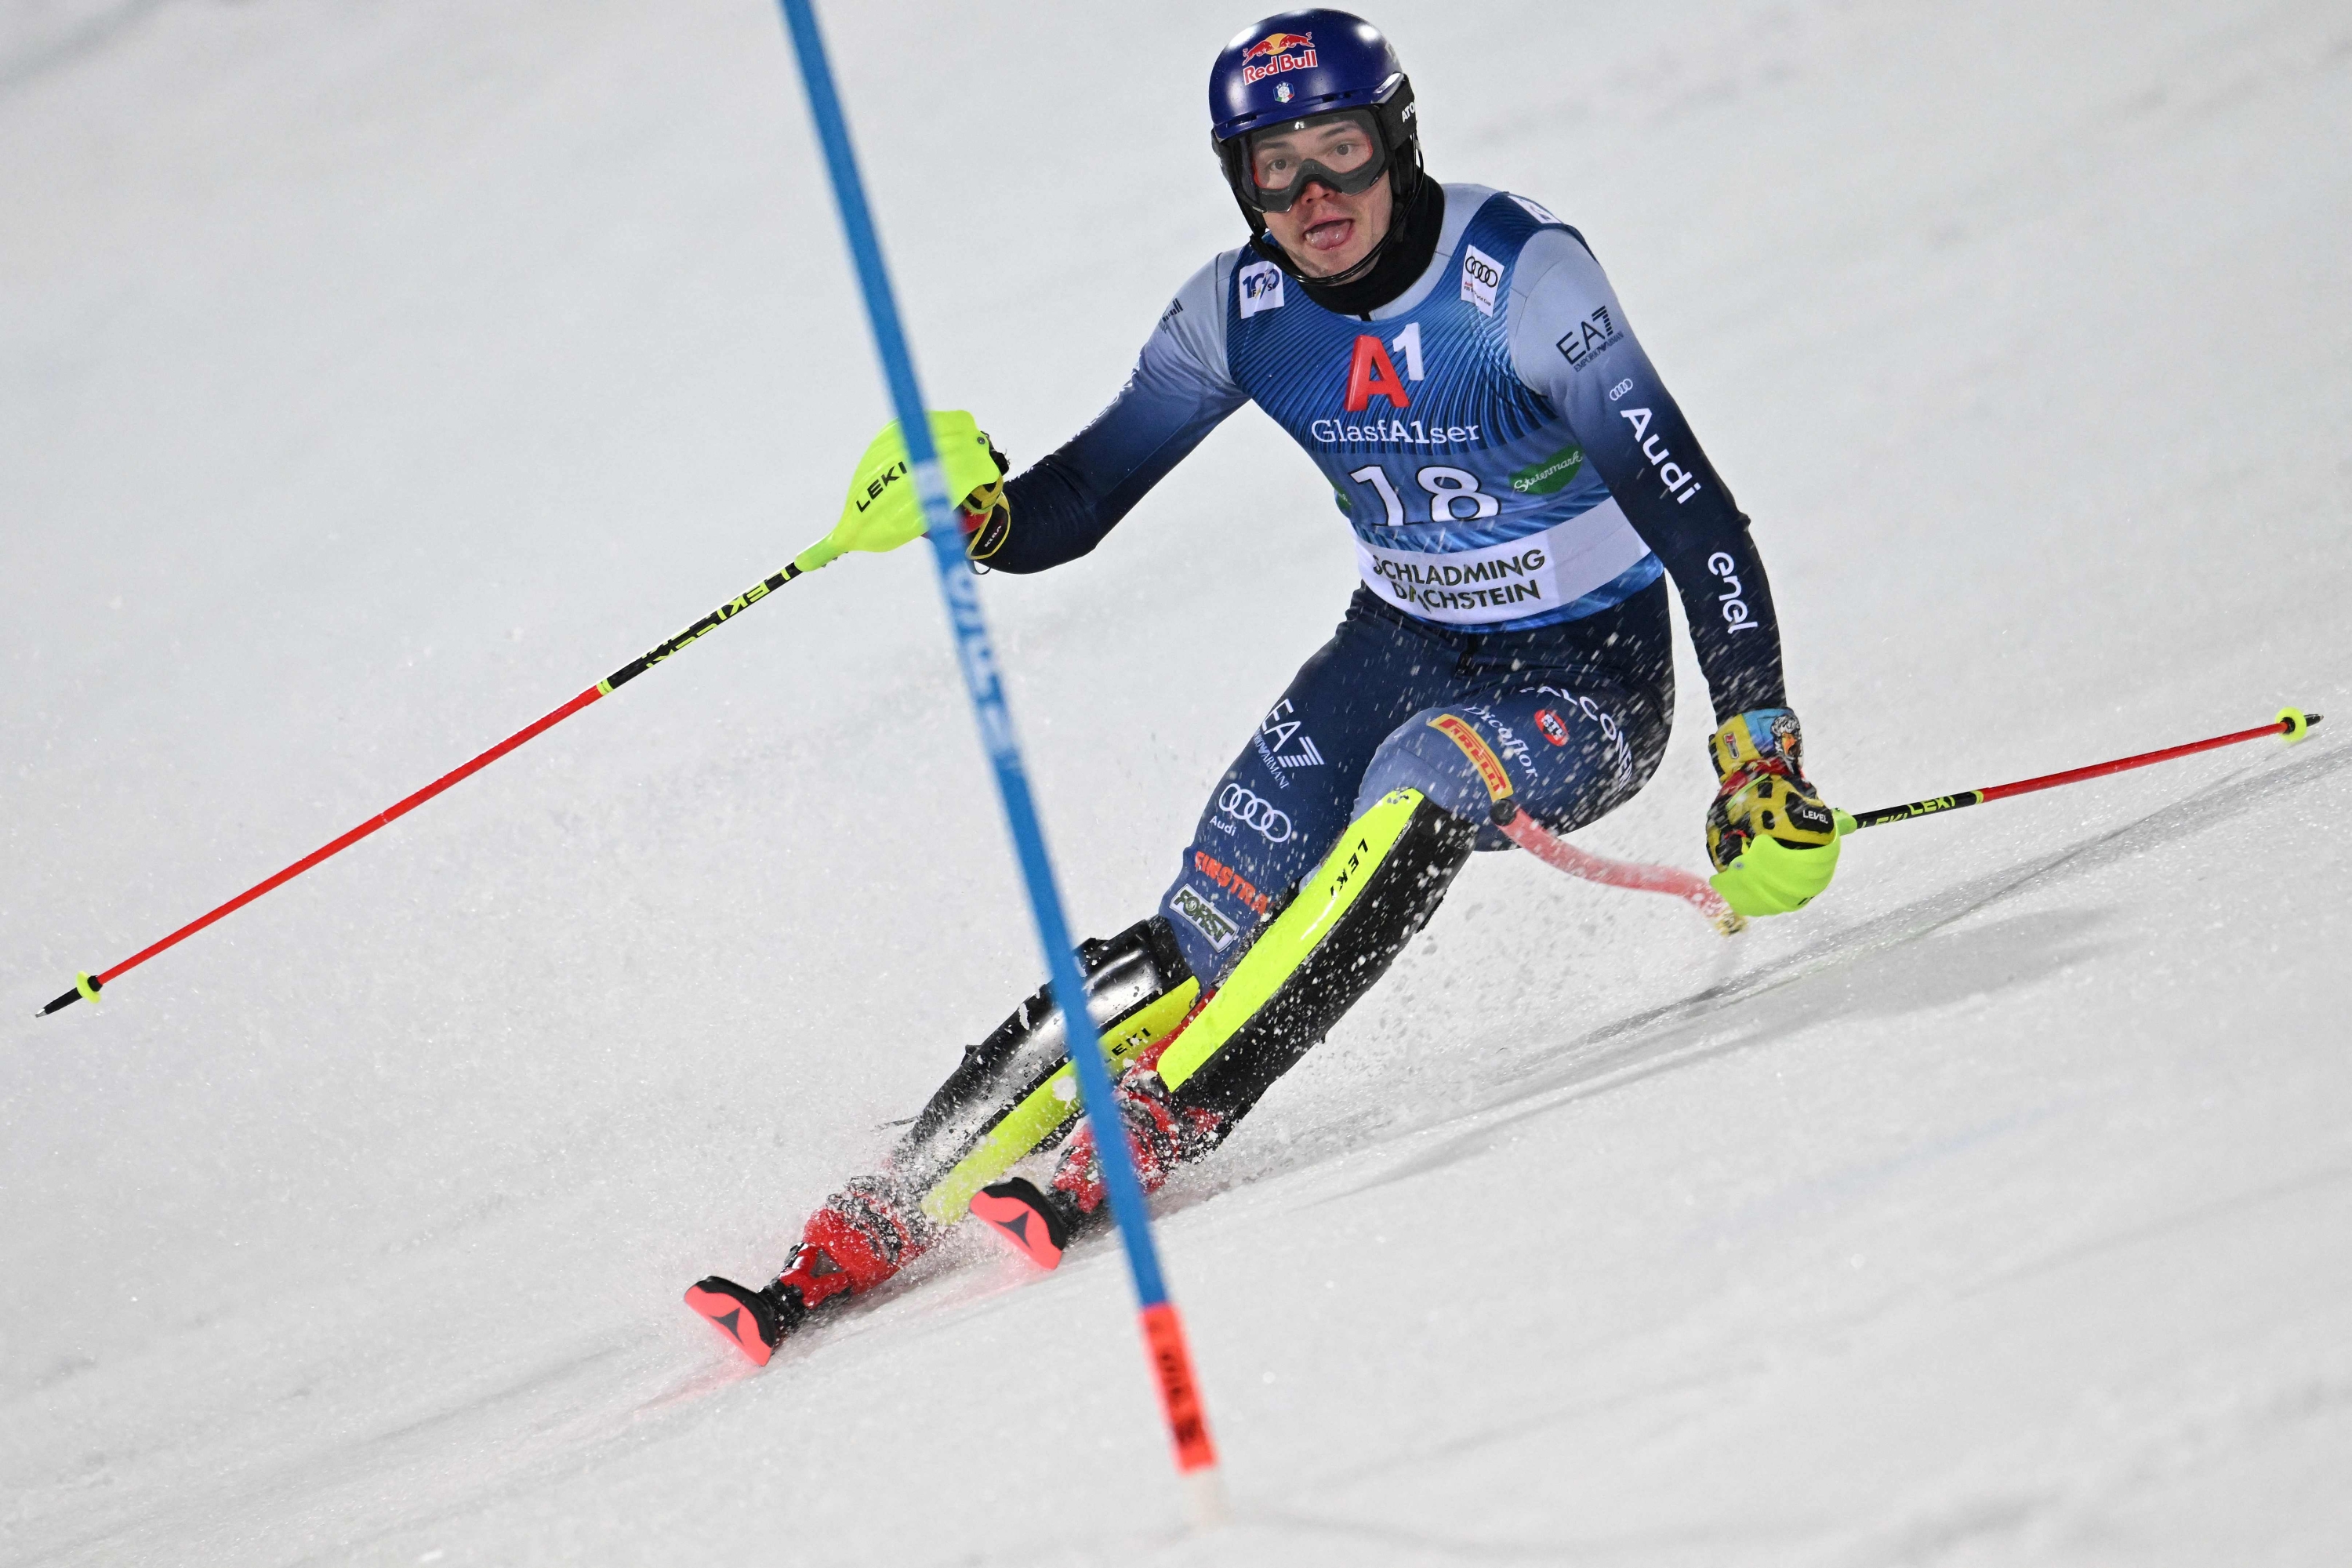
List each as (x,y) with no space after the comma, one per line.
(1179,391)
(1570,341)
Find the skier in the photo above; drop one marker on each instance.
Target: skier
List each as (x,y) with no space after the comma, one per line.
(1520,487)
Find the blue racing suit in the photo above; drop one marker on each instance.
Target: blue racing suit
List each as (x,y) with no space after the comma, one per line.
(1520,485)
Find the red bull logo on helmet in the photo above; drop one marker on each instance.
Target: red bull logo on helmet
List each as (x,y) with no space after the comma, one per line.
(1279,52)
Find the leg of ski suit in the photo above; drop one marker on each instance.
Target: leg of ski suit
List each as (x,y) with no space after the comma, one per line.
(1574,718)
(1336,832)
(1321,850)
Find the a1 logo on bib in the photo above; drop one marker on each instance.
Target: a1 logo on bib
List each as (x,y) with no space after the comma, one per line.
(1260,286)
(1481,276)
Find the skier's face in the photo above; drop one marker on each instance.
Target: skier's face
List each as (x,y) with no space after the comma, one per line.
(1324,229)
(1327,231)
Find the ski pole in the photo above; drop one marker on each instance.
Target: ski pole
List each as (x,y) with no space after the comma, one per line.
(2291,724)
(1164,1330)
(809,560)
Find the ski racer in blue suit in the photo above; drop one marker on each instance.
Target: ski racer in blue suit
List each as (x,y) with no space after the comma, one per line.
(1521,489)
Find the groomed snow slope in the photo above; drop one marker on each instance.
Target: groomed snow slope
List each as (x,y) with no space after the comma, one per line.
(373,377)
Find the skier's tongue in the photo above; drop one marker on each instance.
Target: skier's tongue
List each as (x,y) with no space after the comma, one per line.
(1330,231)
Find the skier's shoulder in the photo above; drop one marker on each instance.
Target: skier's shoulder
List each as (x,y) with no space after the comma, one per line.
(1509,225)
(1193,325)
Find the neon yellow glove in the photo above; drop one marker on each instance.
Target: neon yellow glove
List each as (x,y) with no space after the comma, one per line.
(883,512)
(1772,839)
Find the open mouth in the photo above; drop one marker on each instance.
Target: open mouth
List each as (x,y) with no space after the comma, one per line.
(1330,234)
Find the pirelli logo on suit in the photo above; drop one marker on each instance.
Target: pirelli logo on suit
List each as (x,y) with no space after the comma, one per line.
(1491,772)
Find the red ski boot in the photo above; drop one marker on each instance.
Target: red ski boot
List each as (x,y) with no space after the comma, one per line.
(861,1238)
(1163,1135)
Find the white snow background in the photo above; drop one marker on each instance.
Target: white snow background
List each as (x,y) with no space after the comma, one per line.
(374,376)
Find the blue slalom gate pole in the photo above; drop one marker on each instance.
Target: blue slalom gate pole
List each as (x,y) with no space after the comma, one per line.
(1162,1329)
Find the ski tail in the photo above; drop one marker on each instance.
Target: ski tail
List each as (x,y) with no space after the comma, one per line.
(738,1312)
(1025,1216)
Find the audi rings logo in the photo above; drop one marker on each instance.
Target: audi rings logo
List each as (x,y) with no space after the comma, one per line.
(1271,822)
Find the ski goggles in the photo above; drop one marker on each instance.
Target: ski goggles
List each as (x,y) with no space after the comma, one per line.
(1344,150)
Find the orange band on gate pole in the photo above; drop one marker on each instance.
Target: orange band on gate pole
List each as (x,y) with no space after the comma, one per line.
(1180,1397)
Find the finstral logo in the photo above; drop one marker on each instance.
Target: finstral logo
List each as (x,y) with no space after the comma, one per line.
(1280,52)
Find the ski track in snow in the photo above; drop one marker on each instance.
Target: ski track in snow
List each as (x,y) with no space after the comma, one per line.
(370,379)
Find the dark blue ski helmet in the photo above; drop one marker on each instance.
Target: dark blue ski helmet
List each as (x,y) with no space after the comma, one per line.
(1295,65)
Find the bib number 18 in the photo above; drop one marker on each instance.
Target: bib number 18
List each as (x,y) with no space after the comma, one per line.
(1449,490)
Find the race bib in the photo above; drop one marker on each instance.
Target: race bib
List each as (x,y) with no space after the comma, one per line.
(1498,583)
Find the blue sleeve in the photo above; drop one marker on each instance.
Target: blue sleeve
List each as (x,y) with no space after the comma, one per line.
(1570,341)
(1179,392)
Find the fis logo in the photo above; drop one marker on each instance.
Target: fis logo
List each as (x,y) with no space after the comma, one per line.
(1260,288)
(1276,53)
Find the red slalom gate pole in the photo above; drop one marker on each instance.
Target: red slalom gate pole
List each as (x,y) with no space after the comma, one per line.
(88,986)
(2292,725)
(1539,841)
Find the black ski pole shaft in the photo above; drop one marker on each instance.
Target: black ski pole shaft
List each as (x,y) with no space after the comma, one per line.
(88,986)
(2291,724)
